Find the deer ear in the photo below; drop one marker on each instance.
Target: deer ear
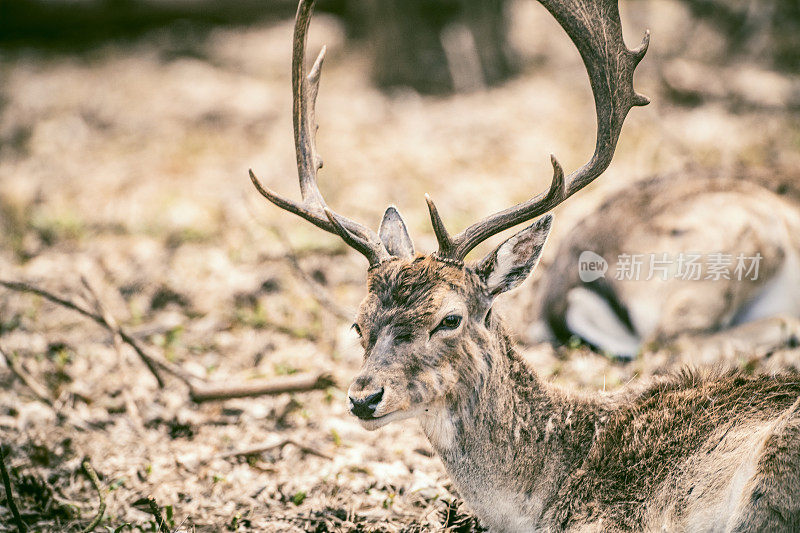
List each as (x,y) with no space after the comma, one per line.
(394,235)
(512,262)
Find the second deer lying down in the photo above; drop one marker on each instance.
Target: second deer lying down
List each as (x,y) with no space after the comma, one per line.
(693,452)
(623,312)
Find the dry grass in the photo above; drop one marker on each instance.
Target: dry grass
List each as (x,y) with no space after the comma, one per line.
(128,165)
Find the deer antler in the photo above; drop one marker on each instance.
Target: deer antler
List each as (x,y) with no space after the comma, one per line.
(313,207)
(595,28)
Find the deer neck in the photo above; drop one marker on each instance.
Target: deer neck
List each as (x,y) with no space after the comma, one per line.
(510,440)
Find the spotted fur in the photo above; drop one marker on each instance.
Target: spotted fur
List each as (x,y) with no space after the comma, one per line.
(696,451)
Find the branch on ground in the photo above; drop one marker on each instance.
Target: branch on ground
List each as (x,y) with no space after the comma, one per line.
(257,450)
(204,392)
(150,361)
(199,389)
(101,508)
(12,505)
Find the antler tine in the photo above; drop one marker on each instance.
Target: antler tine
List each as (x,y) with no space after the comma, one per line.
(595,28)
(313,207)
(305,89)
(442,236)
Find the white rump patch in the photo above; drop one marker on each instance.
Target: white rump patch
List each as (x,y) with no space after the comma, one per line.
(780,295)
(591,317)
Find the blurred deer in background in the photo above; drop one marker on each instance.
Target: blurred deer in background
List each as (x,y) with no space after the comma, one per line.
(741,227)
(692,452)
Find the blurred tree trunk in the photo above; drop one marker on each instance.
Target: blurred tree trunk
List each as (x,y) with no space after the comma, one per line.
(760,29)
(72,23)
(435,46)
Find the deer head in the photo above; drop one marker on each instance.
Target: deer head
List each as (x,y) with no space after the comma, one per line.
(427,319)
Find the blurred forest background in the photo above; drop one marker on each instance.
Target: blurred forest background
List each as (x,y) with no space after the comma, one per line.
(126,131)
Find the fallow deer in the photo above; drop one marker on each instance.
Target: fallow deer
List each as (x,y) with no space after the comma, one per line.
(697,215)
(693,452)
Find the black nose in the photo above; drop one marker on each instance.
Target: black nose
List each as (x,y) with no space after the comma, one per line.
(365,409)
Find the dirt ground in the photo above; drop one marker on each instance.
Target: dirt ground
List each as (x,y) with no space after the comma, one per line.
(127,165)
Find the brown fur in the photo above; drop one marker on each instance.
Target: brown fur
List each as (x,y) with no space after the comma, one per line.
(529,456)
(690,453)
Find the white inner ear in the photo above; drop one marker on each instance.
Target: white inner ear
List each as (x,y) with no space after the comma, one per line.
(514,260)
(505,262)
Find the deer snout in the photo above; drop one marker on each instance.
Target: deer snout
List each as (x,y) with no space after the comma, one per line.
(363,405)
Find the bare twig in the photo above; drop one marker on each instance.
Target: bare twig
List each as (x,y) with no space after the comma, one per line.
(319,293)
(38,390)
(204,392)
(21,527)
(199,390)
(130,405)
(101,509)
(103,312)
(256,450)
(152,362)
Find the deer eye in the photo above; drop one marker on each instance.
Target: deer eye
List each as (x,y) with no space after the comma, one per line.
(447,323)
(357,329)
